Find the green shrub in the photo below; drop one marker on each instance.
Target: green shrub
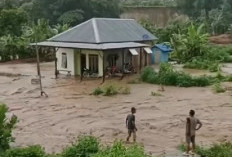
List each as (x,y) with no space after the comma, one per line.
(168,76)
(229,78)
(119,150)
(217,150)
(218,88)
(6,127)
(211,58)
(146,72)
(110,90)
(202,81)
(98,91)
(200,63)
(32,151)
(85,147)
(219,76)
(184,80)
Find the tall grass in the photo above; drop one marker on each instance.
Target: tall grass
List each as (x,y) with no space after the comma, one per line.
(217,150)
(111,90)
(86,146)
(168,76)
(218,88)
(211,59)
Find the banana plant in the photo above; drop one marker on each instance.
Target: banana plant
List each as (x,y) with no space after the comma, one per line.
(189,45)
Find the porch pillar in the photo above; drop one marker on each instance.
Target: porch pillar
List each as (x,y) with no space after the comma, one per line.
(56,72)
(123,62)
(146,58)
(87,61)
(123,59)
(140,59)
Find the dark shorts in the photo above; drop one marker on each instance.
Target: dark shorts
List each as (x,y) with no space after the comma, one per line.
(131,131)
(190,139)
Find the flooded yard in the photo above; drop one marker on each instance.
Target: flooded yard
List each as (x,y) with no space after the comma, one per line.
(70,111)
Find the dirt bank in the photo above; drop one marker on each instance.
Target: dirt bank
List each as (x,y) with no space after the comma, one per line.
(69,111)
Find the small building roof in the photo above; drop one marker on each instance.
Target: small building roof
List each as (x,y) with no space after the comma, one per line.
(105,30)
(103,46)
(163,47)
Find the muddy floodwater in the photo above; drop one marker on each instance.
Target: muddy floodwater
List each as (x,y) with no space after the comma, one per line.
(70,111)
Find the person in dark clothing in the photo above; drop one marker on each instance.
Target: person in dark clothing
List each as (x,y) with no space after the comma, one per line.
(130,124)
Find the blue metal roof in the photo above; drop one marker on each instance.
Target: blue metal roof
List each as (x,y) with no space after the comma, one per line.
(163,47)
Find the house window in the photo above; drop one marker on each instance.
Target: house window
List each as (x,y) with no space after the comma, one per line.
(93,63)
(64,61)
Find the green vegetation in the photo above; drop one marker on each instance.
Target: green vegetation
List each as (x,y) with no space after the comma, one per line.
(25,21)
(199,63)
(217,150)
(164,34)
(111,89)
(218,88)
(168,76)
(215,14)
(191,44)
(32,151)
(85,147)
(211,59)
(149,3)
(229,78)
(190,37)
(98,91)
(6,127)
(119,150)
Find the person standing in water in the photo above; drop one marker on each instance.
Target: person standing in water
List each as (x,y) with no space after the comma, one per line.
(192,125)
(130,124)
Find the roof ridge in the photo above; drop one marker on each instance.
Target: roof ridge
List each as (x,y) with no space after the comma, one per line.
(95,29)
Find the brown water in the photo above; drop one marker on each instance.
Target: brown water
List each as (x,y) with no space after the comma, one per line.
(69,111)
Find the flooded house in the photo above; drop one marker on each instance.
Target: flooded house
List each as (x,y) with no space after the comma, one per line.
(100,44)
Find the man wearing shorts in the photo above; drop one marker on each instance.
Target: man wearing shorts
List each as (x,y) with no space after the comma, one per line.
(130,124)
(192,125)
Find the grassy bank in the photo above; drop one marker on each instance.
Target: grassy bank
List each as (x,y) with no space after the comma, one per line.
(217,150)
(167,75)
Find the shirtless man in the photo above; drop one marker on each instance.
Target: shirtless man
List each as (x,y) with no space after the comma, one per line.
(192,125)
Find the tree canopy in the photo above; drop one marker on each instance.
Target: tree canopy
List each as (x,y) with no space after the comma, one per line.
(25,21)
(71,11)
(216,14)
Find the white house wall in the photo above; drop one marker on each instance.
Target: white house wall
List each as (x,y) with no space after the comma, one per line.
(70,60)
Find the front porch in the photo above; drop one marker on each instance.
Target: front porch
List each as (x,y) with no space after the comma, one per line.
(99,63)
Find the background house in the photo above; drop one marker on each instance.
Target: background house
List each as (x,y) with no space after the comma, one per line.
(100,43)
